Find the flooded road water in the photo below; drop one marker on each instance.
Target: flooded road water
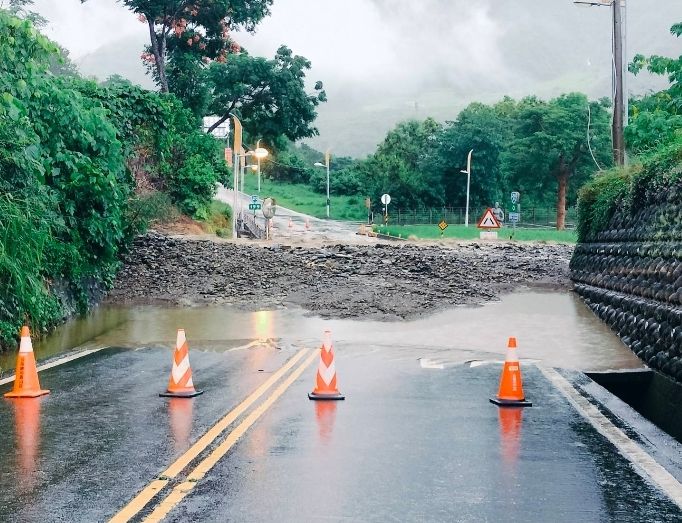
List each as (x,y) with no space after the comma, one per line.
(555,328)
(104,434)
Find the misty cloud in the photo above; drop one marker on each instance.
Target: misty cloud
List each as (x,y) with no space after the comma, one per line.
(383,61)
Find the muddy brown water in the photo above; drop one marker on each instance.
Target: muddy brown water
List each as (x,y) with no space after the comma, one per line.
(554,328)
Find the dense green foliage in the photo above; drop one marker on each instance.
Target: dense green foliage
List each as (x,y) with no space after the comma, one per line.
(655,137)
(628,189)
(71,155)
(656,119)
(545,149)
(268,95)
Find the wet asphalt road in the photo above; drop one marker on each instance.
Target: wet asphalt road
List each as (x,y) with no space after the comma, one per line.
(412,444)
(318,230)
(408,444)
(81,453)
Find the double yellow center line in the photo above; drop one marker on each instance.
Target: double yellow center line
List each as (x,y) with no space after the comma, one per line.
(164,506)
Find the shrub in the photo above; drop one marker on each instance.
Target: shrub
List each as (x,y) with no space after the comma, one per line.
(631,189)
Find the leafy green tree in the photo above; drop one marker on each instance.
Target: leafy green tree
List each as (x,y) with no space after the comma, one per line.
(555,143)
(61,64)
(70,151)
(656,120)
(63,179)
(481,128)
(203,25)
(287,165)
(399,166)
(269,95)
(20,9)
(163,146)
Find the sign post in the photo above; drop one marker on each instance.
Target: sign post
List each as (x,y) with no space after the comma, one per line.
(442,226)
(488,222)
(269,209)
(255,204)
(515,210)
(385,199)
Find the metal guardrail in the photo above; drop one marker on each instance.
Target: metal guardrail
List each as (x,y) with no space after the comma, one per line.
(530,217)
(246,225)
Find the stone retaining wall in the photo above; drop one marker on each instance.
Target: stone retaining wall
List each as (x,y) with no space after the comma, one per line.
(630,275)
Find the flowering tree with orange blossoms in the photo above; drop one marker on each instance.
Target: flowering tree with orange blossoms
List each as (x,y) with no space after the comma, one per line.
(201,25)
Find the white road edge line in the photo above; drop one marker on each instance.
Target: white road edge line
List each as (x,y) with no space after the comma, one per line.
(57,362)
(426,363)
(644,464)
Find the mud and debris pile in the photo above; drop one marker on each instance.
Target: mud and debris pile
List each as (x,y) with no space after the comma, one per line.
(630,275)
(378,281)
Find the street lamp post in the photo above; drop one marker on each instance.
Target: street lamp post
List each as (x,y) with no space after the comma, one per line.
(620,102)
(327,162)
(468,173)
(236,150)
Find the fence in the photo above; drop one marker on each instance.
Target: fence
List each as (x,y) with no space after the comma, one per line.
(530,217)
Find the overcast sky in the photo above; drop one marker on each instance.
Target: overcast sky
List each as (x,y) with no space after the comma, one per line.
(386,60)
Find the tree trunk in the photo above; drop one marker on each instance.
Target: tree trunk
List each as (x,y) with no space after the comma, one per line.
(562,178)
(159,52)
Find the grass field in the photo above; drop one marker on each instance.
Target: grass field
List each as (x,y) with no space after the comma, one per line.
(461,232)
(301,198)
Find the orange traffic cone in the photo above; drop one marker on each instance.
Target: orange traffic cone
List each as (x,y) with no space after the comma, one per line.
(26,384)
(325,383)
(511,385)
(180,384)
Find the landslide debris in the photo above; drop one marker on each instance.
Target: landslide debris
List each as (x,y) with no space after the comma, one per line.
(379,281)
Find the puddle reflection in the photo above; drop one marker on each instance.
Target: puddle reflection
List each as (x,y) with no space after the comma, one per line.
(325,415)
(553,327)
(27,426)
(181,415)
(263,325)
(511,420)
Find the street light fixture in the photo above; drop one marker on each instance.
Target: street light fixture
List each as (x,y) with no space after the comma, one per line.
(620,101)
(468,173)
(327,161)
(260,154)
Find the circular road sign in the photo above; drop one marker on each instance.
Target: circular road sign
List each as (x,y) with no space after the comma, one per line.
(269,208)
(385,199)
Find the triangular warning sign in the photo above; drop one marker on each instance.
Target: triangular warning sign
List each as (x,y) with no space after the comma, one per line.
(488,221)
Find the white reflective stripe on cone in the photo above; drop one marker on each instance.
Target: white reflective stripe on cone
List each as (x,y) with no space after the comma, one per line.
(25,344)
(327,373)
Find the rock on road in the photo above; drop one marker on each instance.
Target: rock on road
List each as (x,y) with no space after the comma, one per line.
(383,281)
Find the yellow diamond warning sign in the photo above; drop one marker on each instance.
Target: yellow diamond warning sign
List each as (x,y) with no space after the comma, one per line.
(443,225)
(488,221)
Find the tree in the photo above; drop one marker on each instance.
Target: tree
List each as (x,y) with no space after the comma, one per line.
(656,119)
(555,142)
(269,95)
(399,165)
(481,128)
(19,8)
(61,64)
(201,24)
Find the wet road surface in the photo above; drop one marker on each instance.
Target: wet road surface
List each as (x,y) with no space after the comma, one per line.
(411,442)
(327,230)
(417,445)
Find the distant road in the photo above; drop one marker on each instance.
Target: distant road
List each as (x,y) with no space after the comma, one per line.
(331,230)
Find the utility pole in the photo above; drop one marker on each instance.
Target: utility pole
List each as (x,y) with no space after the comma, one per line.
(619,95)
(620,101)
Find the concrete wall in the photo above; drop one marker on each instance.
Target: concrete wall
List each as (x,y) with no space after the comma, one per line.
(630,275)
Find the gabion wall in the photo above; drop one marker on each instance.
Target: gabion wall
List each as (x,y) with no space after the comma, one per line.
(630,275)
